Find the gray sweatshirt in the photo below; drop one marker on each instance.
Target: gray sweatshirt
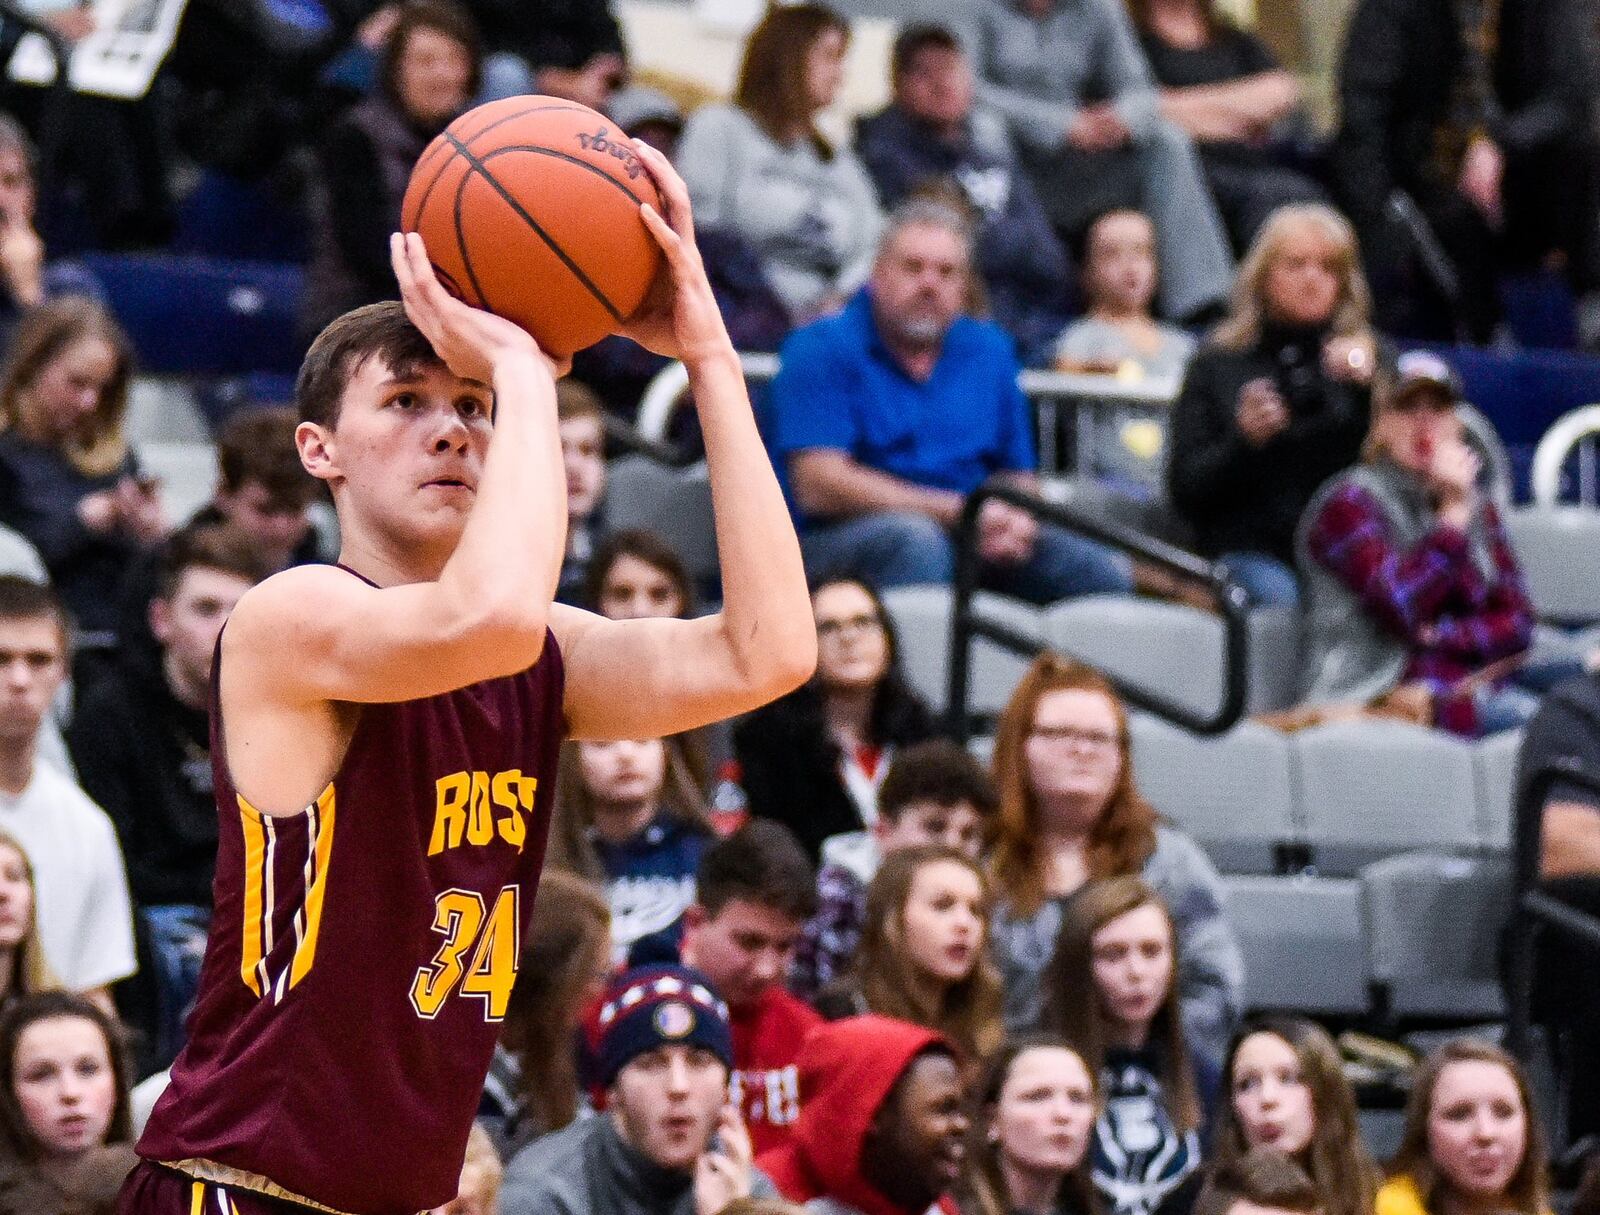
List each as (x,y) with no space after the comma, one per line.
(814,223)
(586,1169)
(1036,73)
(1211,981)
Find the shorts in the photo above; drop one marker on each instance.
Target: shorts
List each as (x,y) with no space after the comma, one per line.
(152,1189)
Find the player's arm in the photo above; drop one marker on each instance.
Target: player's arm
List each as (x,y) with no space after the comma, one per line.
(315,633)
(647,678)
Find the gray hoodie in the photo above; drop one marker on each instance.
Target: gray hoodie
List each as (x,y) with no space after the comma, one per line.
(586,1169)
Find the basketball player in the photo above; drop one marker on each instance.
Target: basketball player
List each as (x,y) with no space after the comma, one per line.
(386,736)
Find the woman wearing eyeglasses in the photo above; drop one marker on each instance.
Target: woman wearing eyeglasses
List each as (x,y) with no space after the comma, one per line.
(1410,580)
(813,760)
(1070,814)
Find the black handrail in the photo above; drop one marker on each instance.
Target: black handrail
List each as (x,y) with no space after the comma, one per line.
(1533,909)
(628,438)
(965,625)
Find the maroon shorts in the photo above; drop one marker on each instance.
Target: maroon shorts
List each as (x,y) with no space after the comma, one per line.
(154,1190)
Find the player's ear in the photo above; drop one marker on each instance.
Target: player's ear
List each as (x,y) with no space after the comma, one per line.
(315,445)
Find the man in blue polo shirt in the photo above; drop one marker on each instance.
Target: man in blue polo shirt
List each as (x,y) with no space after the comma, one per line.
(889,413)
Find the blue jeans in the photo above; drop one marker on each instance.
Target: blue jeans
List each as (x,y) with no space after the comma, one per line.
(892,548)
(1267,581)
(1509,705)
(177,934)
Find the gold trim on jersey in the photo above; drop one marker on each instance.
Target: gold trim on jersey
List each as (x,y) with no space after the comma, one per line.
(210,1172)
(260,897)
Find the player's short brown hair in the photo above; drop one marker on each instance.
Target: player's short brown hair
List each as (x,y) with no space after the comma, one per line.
(257,445)
(210,546)
(375,330)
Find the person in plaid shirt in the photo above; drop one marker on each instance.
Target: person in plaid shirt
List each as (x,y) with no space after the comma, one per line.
(1412,578)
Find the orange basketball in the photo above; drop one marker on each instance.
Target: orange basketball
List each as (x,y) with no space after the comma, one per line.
(529,207)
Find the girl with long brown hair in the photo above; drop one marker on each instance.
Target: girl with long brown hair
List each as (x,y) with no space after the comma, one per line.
(1070,813)
(566,959)
(1112,991)
(762,167)
(630,817)
(1472,1140)
(68,482)
(1286,1090)
(1034,1114)
(922,956)
(23,969)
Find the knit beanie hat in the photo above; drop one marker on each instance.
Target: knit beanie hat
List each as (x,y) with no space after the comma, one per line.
(652,1006)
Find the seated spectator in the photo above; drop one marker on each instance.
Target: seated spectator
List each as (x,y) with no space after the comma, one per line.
(1118,336)
(533,1085)
(1028,1150)
(814,760)
(881,1131)
(583,441)
(1478,116)
(27,276)
(1235,101)
(141,740)
(670,1142)
(634,575)
(23,970)
(923,955)
(1472,1139)
(64,1114)
(1276,401)
(629,816)
(1112,986)
(762,168)
(85,920)
(429,71)
(1073,87)
(1412,585)
(931,133)
(1263,1181)
(263,492)
(752,896)
(1070,812)
(68,481)
(1287,1093)
(1566,729)
(891,413)
(481,1175)
(574,50)
(934,793)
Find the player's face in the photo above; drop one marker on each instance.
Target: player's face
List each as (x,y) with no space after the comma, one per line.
(32,665)
(666,1103)
(65,1084)
(16,897)
(276,526)
(188,623)
(583,454)
(407,452)
(744,949)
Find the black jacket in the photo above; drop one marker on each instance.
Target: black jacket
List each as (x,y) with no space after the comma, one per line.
(1243,498)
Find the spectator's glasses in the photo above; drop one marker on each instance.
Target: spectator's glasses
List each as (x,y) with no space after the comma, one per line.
(1098,740)
(834,629)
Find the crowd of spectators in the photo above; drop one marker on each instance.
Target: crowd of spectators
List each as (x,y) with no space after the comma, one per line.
(822,957)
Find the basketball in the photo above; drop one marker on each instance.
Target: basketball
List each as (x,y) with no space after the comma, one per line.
(529,207)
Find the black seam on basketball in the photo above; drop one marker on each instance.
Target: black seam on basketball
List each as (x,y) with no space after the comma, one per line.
(461,242)
(482,170)
(512,117)
(570,159)
(422,203)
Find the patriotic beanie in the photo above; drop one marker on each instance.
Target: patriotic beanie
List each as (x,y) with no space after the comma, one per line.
(653,1006)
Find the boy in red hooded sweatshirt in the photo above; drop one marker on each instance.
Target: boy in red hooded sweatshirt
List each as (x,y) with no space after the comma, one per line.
(882,1122)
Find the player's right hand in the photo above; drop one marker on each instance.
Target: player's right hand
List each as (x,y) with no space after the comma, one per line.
(470,340)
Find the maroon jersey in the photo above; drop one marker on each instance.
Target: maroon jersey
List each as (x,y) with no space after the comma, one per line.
(362,953)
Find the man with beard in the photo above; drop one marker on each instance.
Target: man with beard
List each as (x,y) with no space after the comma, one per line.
(882,1130)
(669,1141)
(889,413)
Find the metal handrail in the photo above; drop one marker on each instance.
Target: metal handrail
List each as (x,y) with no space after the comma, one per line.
(967,625)
(1533,909)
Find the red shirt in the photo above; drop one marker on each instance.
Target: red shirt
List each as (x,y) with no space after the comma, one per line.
(765,1085)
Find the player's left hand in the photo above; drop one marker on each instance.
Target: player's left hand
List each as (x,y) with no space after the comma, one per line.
(679,317)
(723,1173)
